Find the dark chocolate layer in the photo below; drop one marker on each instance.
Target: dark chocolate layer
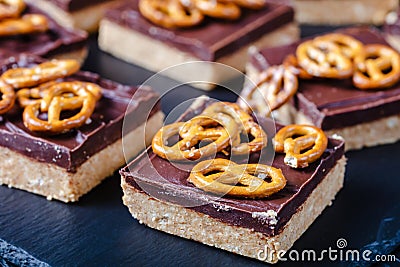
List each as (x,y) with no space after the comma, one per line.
(332,103)
(54,41)
(71,149)
(163,180)
(213,38)
(74,5)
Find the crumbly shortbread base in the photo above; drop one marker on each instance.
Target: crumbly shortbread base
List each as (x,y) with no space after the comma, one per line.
(86,19)
(54,182)
(137,48)
(187,223)
(378,132)
(342,12)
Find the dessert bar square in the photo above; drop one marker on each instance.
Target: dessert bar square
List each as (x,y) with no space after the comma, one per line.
(56,42)
(128,35)
(65,166)
(158,194)
(361,117)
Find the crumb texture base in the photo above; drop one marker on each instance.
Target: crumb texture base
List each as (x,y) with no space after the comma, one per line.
(56,183)
(187,223)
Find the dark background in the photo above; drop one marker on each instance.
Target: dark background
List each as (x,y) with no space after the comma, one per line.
(99,230)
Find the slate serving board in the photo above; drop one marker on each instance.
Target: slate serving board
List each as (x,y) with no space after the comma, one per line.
(99,231)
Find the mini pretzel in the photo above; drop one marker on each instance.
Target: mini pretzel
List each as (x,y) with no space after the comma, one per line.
(308,138)
(322,58)
(170,13)
(236,180)
(277,85)
(291,62)
(217,9)
(11,8)
(378,66)
(246,124)
(8,97)
(51,70)
(54,103)
(349,46)
(31,23)
(185,148)
(251,4)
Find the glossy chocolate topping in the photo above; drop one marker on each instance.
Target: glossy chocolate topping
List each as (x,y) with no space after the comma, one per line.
(71,149)
(213,38)
(74,5)
(333,104)
(163,180)
(54,41)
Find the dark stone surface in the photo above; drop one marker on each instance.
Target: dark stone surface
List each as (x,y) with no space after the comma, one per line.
(99,231)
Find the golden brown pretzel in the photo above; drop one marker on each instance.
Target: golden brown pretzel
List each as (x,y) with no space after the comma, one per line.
(377,66)
(308,138)
(11,8)
(30,23)
(48,71)
(54,103)
(276,87)
(8,97)
(251,4)
(349,46)
(194,131)
(230,174)
(324,58)
(246,125)
(170,13)
(291,62)
(218,9)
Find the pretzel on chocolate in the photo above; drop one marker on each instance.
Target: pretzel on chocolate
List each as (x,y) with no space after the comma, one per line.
(235,180)
(277,86)
(54,102)
(291,62)
(324,58)
(308,145)
(377,66)
(250,4)
(8,97)
(30,23)
(170,13)
(246,125)
(48,71)
(348,45)
(218,9)
(11,8)
(193,132)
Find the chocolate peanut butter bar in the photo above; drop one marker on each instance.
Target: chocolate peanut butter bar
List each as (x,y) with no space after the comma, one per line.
(66,165)
(158,194)
(128,35)
(362,117)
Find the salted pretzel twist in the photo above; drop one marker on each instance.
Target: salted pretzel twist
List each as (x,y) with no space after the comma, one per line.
(47,71)
(377,66)
(348,45)
(193,132)
(276,87)
(221,124)
(8,97)
(218,9)
(170,13)
(308,145)
(30,23)
(57,98)
(236,180)
(11,8)
(323,58)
